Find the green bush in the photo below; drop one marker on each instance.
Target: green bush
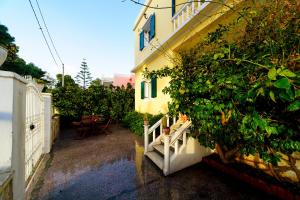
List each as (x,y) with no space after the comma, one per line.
(135,121)
(243,94)
(73,101)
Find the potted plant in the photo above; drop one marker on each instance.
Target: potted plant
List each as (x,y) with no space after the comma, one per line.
(146,120)
(166,129)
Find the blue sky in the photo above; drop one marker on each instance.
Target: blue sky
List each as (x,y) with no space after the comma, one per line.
(98,30)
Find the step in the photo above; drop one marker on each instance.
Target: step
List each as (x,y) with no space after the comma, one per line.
(172,146)
(160,149)
(156,158)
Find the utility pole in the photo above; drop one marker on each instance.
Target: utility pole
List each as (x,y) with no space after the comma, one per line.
(63,75)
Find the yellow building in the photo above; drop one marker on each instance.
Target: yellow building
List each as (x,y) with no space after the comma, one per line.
(161,33)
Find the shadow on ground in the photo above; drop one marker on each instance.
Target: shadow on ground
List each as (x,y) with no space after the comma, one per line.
(112,166)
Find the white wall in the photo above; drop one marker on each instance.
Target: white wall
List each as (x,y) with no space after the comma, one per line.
(12,127)
(47,122)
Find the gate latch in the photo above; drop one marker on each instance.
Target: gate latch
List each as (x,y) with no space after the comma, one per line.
(32,126)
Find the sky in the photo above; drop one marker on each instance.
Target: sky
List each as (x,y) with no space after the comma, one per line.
(98,30)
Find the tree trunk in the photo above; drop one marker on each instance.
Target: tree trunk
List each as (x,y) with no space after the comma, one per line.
(227,157)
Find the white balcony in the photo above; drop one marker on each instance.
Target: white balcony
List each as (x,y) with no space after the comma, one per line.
(186,13)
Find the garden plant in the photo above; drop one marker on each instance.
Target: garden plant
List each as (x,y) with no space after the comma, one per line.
(242,89)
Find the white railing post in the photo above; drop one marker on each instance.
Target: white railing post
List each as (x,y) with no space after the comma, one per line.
(161,129)
(174,24)
(146,138)
(174,120)
(182,17)
(184,138)
(193,8)
(168,120)
(176,147)
(166,155)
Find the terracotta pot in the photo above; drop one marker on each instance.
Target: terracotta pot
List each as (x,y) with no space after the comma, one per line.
(166,130)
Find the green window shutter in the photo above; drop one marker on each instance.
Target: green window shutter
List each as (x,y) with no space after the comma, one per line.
(173,7)
(142,45)
(154,87)
(142,89)
(152,27)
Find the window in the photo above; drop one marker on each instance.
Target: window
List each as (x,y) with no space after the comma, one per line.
(149,89)
(148,32)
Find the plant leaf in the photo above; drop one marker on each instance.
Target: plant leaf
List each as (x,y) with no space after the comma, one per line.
(271,130)
(261,92)
(282,83)
(272,96)
(297,93)
(287,73)
(272,74)
(294,106)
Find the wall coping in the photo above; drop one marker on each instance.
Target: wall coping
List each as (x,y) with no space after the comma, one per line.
(6,74)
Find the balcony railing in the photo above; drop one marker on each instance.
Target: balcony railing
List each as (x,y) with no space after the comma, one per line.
(186,13)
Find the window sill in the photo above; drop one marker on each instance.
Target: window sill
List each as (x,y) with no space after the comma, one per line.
(148,99)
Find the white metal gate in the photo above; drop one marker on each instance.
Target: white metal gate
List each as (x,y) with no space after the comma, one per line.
(34,137)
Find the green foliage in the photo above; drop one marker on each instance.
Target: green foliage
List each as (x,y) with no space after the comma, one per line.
(135,121)
(122,101)
(244,93)
(68,100)
(13,62)
(73,101)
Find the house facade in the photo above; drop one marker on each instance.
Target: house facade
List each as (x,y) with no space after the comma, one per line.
(160,34)
(120,80)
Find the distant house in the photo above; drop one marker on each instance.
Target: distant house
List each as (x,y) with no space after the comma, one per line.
(121,79)
(107,82)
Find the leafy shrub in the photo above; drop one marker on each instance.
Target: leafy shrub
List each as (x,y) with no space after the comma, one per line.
(243,95)
(73,101)
(135,121)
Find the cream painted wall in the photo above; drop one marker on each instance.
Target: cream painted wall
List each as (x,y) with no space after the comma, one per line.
(163,29)
(153,105)
(178,2)
(154,56)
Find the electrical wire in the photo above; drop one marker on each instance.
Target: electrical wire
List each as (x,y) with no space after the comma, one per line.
(37,19)
(51,40)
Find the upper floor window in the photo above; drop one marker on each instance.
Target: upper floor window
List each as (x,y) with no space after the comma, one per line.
(148,32)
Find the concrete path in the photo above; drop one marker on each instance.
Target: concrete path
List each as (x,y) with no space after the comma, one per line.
(112,166)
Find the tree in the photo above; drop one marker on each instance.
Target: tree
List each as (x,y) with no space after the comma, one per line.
(69,99)
(242,93)
(83,77)
(69,81)
(13,62)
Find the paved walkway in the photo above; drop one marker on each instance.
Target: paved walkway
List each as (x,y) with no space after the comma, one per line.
(113,167)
